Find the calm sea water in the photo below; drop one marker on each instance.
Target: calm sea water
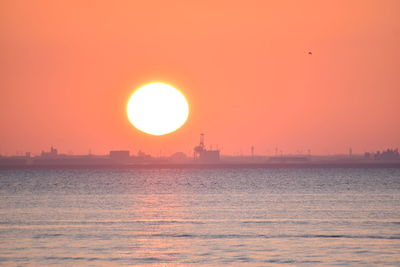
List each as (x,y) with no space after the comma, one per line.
(171,217)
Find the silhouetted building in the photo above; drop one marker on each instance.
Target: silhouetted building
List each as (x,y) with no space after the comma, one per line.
(119,155)
(78,160)
(179,157)
(283,159)
(13,161)
(201,154)
(209,156)
(388,154)
(52,154)
(142,156)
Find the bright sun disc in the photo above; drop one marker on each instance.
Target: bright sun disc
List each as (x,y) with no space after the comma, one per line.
(157,108)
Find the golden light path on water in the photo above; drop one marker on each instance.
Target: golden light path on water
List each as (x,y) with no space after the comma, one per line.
(200,217)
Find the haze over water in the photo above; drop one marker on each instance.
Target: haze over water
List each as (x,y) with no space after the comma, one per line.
(240,217)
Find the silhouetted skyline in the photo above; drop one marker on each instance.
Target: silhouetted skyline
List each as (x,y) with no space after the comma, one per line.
(244,66)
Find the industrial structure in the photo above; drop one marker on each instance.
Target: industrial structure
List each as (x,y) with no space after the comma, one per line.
(201,154)
(53,153)
(119,156)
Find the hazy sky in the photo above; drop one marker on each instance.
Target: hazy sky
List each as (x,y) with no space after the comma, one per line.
(67,69)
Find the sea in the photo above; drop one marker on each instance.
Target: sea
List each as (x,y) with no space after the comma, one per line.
(200,217)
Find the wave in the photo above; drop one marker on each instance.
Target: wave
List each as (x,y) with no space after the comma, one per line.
(244,236)
(240,236)
(166,221)
(46,236)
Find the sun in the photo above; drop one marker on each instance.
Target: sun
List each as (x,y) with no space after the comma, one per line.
(157,108)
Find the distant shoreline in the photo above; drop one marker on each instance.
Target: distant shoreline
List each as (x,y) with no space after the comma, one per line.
(382,164)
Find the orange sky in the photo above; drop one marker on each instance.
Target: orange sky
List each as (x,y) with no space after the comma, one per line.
(67,69)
